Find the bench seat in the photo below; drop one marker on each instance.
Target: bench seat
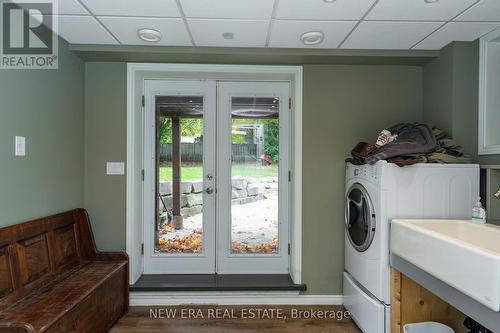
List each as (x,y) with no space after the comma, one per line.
(45,306)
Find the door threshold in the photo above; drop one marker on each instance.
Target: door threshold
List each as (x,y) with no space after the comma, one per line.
(216,282)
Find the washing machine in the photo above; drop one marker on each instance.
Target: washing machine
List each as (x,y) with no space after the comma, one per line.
(374,195)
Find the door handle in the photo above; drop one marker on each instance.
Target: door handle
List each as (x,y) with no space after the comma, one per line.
(209,190)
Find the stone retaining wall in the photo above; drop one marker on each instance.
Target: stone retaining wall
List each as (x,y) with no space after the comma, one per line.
(244,190)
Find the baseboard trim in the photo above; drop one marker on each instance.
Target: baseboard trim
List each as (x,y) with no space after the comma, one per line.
(231,298)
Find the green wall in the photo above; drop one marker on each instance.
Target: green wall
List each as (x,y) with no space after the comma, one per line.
(342,105)
(46,107)
(438,90)
(450,95)
(105,141)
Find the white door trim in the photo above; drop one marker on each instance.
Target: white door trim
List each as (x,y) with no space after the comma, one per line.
(136,74)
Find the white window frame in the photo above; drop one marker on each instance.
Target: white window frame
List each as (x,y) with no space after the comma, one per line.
(136,74)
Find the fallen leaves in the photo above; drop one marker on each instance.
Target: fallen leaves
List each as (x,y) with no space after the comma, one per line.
(192,243)
(166,228)
(243,247)
(187,244)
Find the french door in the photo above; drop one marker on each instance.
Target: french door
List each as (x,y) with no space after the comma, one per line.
(216,161)
(177,240)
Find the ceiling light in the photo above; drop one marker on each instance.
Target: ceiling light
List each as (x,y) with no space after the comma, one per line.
(329,1)
(228,35)
(312,37)
(149,35)
(430,1)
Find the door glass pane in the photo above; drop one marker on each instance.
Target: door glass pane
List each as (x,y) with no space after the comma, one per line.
(179,226)
(254,175)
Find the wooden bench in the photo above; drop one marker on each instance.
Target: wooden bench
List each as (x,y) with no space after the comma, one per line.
(53,279)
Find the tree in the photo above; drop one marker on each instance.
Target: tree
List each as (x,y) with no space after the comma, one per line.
(189,127)
(271,138)
(193,127)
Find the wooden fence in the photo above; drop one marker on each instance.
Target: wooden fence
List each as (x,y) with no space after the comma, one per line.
(193,152)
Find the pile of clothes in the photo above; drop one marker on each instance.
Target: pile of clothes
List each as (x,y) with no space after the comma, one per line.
(407,144)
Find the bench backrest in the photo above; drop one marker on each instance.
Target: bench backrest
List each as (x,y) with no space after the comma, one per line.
(36,252)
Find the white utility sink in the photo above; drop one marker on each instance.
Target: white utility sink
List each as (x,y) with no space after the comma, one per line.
(463,254)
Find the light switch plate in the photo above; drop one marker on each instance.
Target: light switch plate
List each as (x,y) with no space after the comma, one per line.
(20,146)
(115,168)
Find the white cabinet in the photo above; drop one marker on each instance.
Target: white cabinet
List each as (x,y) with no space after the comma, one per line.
(489,94)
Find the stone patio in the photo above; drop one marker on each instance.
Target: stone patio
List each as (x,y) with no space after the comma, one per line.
(254,217)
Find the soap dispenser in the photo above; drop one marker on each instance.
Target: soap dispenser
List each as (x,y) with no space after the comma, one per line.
(478,212)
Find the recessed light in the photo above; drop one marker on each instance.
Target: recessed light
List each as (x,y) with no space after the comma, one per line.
(149,35)
(329,1)
(312,37)
(430,1)
(228,35)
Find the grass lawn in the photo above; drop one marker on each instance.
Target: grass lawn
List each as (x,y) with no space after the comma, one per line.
(189,173)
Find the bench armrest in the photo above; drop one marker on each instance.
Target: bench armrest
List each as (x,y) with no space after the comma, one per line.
(87,241)
(16,328)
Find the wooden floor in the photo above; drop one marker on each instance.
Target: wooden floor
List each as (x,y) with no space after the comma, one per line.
(139,321)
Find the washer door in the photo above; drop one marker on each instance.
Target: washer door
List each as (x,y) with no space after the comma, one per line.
(359,218)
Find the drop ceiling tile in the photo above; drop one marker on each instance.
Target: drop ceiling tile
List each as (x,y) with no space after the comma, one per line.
(287,33)
(418,10)
(321,10)
(173,30)
(456,31)
(389,35)
(158,8)
(83,30)
(247,33)
(230,9)
(69,7)
(486,10)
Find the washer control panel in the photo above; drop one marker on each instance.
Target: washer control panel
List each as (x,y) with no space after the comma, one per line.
(362,171)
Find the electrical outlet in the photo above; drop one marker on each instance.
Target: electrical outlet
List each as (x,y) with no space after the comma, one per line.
(115,168)
(20,146)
